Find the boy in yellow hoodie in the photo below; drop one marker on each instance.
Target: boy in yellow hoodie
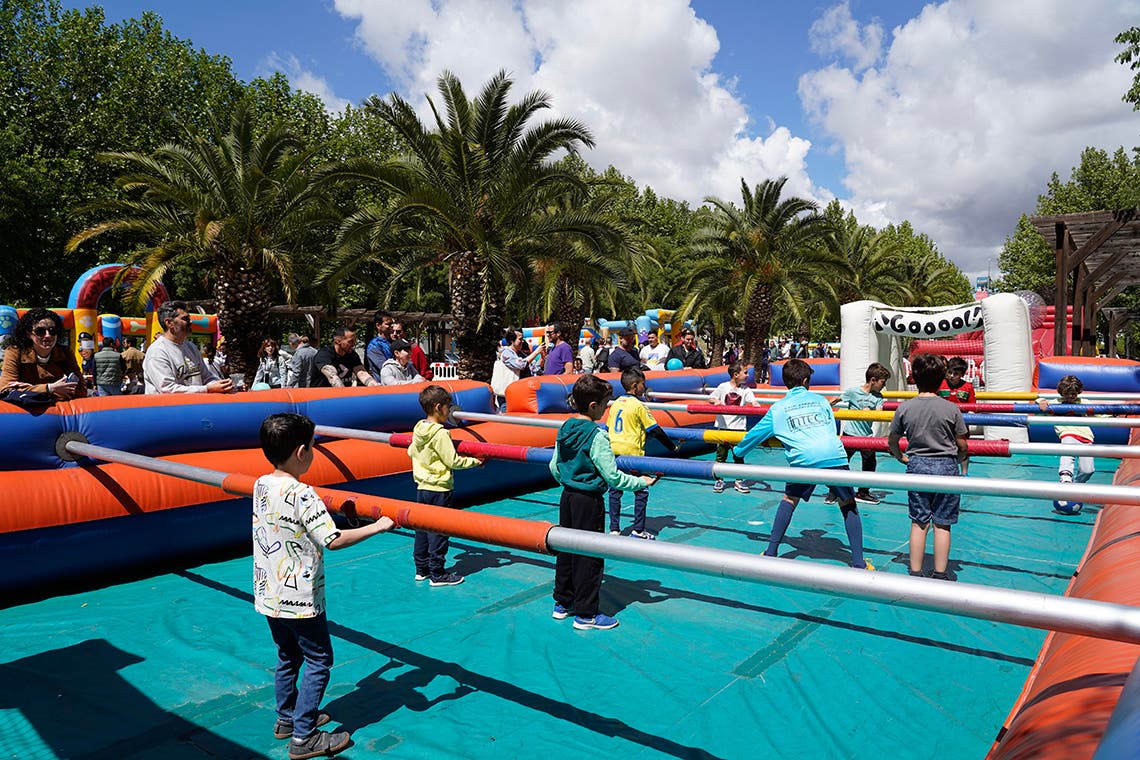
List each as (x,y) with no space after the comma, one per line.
(433,458)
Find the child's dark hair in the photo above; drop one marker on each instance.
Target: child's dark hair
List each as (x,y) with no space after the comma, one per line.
(928,371)
(631,377)
(432,396)
(876,371)
(958,365)
(1070,383)
(734,368)
(282,433)
(796,373)
(590,389)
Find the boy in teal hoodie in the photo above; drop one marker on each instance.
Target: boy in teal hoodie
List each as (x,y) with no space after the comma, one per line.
(583,463)
(433,458)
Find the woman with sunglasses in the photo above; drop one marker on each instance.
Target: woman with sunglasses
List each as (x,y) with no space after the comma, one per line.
(36,362)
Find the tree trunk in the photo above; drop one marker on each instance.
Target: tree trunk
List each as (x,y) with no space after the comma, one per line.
(757,324)
(716,348)
(479,308)
(243,312)
(570,314)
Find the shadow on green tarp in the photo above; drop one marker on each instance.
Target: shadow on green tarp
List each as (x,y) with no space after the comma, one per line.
(180,665)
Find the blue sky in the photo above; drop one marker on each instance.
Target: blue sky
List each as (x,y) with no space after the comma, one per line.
(944,114)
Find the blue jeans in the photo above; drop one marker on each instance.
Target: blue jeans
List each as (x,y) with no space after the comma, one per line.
(429,551)
(307,641)
(640,499)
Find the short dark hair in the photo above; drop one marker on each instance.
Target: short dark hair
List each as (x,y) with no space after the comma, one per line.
(282,433)
(559,328)
(928,371)
(877,371)
(796,373)
(381,315)
(957,364)
(631,377)
(167,311)
(590,389)
(734,367)
(687,331)
(432,396)
(108,342)
(1069,382)
(340,330)
(130,341)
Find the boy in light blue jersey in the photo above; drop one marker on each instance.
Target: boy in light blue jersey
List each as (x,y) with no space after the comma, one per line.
(805,424)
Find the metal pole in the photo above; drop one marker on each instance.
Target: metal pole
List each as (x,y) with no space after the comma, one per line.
(971,418)
(1082,492)
(1057,613)
(1103,451)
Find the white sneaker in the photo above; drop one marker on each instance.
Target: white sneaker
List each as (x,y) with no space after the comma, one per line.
(643,534)
(718,486)
(742,486)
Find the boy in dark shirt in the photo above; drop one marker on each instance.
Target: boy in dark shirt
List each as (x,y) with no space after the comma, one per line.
(936,443)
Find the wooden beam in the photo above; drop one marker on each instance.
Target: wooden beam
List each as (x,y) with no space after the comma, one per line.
(1100,238)
(1060,300)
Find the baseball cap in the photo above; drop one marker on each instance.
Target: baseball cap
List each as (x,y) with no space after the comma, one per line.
(626,331)
(400,345)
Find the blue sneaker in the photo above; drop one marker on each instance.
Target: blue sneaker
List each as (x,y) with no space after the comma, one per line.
(560,612)
(600,622)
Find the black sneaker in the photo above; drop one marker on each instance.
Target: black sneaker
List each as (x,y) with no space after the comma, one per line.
(447,579)
(866,497)
(319,744)
(941,576)
(830,498)
(283,729)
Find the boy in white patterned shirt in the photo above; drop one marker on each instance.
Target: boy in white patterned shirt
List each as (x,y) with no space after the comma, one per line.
(291,528)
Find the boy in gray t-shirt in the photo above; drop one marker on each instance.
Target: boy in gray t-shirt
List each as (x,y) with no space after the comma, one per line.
(936,444)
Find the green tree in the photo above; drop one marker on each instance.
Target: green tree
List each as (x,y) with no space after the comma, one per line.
(474,193)
(772,247)
(239,205)
(72,86)
(875,258)
(1098,182)
(1130,56)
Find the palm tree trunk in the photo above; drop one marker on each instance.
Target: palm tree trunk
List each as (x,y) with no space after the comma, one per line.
(570,314)
(243,309)
(757,324)
(716,348)
(479,308)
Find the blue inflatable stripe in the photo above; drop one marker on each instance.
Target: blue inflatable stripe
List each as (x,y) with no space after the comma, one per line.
(689,468)
(1109,378)
(536,455)
(1002,420)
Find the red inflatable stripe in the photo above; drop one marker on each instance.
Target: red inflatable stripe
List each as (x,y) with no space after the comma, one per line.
(493,450)
(976,448)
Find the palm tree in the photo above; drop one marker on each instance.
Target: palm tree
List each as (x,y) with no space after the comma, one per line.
(240,206)
(574,279)
(876,261)
(476,193)
(773,248)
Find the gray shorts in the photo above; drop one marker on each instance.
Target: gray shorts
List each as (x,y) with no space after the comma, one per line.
(926,507)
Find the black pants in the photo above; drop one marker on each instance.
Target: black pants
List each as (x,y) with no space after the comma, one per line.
(869,463)
(578,579)
(429,550)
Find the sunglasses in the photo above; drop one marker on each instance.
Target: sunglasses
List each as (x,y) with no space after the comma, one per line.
(42,331)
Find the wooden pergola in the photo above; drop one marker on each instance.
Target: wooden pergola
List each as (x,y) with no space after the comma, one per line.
(1098,256)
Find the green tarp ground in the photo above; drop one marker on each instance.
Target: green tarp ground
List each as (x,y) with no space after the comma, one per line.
(180,665)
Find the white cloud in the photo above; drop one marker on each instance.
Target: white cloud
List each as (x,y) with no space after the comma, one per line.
(837,32)
(974,104)
(303,79)
(638,73)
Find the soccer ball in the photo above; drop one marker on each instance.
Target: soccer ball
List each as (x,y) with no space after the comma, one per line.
(1067,507)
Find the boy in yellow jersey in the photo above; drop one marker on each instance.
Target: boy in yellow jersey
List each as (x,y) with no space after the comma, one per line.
(629,422)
